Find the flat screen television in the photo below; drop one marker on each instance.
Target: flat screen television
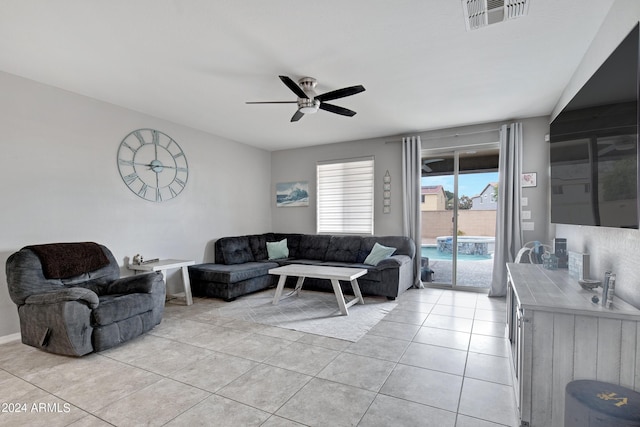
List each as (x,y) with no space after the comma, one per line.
(594,146)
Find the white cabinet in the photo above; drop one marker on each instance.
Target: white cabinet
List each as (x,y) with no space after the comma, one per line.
(559,335)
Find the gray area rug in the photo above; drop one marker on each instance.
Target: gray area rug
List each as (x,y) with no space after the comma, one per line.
(311,311)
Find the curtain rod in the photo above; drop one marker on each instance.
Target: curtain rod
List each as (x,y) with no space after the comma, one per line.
(455,135)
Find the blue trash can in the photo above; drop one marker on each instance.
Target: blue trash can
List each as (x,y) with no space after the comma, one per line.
(598,404)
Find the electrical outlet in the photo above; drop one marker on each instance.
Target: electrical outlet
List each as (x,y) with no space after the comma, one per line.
(526,215)
(528,226)
(524,201)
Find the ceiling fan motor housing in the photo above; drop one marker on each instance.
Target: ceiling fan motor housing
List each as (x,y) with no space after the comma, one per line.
(308,105)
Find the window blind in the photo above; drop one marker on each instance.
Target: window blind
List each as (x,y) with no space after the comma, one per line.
(345,196)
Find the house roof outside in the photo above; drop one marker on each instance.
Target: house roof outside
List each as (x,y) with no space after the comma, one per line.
(432,189)
(484,190)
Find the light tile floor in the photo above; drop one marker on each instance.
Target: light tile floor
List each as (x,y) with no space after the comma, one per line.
(438,359)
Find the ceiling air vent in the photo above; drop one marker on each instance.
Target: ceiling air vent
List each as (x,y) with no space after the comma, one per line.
(480,13)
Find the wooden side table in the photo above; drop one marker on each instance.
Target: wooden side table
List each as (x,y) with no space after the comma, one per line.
(167,264)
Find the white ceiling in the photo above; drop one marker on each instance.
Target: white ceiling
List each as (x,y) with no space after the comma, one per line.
(196,62)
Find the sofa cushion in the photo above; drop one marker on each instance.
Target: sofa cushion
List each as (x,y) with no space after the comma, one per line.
(313,246)
(114,308)
(278,250)
(230,273)
(404,245)
(361,256)
(374,273)
(303,261)
(343,248)
(257,244)
(107,336)
(379,253)
(236,250)
(293,241)
(142,283)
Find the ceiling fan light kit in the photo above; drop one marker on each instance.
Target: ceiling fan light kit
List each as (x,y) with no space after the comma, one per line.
(309,101)
(308,106)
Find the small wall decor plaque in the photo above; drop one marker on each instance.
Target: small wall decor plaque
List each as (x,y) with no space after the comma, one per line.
(386,193)
(529,179)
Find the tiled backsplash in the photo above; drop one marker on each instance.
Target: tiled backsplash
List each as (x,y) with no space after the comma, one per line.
(610,249)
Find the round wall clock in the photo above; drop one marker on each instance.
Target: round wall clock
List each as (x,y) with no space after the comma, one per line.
(152,165)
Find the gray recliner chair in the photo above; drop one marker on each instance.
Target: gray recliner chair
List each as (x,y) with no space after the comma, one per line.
(71,299)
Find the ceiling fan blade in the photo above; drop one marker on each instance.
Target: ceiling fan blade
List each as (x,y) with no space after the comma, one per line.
(297,116)
(295,88)
(340,93)
(271,102)
(338,110)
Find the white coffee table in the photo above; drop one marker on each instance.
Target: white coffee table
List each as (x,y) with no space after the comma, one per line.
(167,264)
(321,272)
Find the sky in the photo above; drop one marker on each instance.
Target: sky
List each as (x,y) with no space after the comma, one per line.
(469,184)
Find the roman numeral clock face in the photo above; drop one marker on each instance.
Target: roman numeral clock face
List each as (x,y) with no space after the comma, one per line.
(152,165)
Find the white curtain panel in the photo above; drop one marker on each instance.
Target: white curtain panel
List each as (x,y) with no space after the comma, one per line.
(411,174)
(508,228)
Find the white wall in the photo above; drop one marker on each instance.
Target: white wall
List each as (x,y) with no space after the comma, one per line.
(60,183)
(611,249)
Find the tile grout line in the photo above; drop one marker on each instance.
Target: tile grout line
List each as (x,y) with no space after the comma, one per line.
(389,375)
(464,372)
(338,353)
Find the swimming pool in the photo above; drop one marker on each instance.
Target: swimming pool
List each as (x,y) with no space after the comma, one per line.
(468,245)
(433,254)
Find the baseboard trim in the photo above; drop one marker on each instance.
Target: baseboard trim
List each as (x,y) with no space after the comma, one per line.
(9,338)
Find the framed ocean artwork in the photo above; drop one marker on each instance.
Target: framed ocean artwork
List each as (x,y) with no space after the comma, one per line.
(292,194)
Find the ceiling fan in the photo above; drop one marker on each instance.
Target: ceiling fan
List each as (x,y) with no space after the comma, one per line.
(309,102)
(425,164)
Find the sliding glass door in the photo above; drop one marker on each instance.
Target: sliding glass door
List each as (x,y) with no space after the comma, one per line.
(459,201)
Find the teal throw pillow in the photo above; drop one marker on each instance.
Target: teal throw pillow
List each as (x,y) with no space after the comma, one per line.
(378,253)
(278,250)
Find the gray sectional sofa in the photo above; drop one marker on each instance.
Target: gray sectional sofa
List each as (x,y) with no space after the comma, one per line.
(242,264)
